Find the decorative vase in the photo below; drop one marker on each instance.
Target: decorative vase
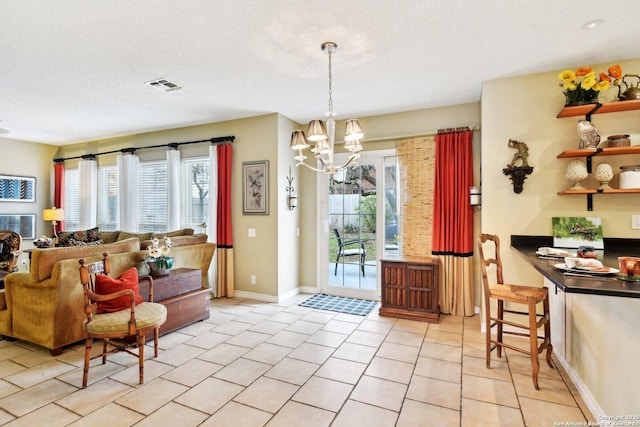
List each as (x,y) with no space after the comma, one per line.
(576,172)
(160,266)
(603,174)
(580,96)
(589,135)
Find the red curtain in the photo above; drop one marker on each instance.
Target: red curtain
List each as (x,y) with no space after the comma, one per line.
(223,227)
(452,211)
(58,191)
(225,278)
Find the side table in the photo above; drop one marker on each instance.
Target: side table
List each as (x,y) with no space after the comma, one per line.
(181,292)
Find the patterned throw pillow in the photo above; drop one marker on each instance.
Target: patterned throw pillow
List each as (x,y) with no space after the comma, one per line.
(107,285)
(74,242)
(86,236)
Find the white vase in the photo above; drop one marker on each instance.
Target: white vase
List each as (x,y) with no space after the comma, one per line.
(576,172)
(603,174)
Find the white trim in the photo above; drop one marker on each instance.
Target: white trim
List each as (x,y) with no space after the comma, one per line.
(274,299)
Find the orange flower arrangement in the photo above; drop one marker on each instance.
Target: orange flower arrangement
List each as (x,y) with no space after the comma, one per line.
(582,86)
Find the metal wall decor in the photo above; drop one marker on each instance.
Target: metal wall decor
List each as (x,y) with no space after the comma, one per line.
(17,188)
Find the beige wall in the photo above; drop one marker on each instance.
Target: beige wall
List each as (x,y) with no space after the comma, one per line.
(29,159)
(525,108)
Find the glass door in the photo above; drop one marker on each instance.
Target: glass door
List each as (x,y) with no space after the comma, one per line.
(360,225)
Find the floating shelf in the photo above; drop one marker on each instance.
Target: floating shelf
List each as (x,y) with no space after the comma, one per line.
(609,107)
(609,151)
(611,191)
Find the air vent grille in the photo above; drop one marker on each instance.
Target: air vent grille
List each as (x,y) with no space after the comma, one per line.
(164,84)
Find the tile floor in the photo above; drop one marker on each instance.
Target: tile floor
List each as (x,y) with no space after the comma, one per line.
(262,364)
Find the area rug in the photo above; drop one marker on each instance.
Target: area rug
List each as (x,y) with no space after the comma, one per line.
(359,307)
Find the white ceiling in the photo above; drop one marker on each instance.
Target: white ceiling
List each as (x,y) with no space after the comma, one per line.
(75,70)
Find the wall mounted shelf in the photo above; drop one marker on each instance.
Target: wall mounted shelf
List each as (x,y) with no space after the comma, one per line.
(589,109)
(590,153)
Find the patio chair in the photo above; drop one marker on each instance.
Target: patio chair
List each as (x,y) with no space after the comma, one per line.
(349,248)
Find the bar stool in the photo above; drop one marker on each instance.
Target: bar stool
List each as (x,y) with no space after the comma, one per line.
(527,295)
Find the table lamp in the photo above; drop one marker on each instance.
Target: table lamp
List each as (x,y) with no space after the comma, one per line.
(54,215)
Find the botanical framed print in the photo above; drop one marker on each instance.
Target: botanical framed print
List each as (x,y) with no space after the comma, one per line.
(573,232)
(255,186)
(17,188)
(23,224)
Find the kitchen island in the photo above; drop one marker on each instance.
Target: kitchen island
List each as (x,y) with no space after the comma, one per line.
(594,326)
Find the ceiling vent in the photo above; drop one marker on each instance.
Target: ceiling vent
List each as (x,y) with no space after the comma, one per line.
(164,84)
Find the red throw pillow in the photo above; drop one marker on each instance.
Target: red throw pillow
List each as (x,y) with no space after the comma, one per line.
(107,285)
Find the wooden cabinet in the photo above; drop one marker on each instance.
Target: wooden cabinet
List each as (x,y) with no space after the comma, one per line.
(181,292)
(589,153)
(410,288)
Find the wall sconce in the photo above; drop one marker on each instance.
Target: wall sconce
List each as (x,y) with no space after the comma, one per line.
(475,196)
(291,198)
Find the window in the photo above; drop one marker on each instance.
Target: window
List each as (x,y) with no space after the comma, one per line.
(108,198)
(152,190)
(71,199)
(194,185)
(153,197)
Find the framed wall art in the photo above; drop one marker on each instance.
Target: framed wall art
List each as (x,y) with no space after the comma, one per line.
(255,186)
(23,224)
(573,232)
(17,188)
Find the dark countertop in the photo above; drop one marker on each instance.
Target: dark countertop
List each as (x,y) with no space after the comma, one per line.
(598,285)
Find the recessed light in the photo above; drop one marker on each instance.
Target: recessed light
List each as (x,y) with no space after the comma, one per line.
(592,24)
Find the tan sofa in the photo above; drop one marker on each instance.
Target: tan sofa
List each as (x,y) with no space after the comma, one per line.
(45,306)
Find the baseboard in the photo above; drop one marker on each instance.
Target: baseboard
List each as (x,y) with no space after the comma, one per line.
(256,296)
(586,395)
(276,299)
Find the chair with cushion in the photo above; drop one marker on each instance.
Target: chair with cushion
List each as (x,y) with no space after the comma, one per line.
(346,248)
(529,296)
(10,242)
(116,313)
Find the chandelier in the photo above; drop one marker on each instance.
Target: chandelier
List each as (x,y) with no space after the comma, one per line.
(323,137)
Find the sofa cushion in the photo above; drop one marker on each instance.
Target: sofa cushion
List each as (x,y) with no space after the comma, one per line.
(65,238)
(42,260)
(140,236)
(179,241)
(108,285)
(182,232)
(108,236)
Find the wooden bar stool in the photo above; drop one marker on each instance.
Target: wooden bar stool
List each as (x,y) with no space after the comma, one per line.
(527,295)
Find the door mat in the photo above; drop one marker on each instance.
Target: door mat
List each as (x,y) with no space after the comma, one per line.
(359,307)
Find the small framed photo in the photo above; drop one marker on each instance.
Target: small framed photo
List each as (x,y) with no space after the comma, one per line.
(23,224)
(255,187)
(17,188)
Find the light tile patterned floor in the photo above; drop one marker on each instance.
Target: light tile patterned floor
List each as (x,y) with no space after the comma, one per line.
(261,364)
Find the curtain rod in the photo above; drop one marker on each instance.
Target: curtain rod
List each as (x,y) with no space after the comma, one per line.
(131,150)
(417,135)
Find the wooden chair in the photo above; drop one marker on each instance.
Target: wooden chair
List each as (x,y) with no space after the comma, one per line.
(346,248)
(527,295)
(114,328)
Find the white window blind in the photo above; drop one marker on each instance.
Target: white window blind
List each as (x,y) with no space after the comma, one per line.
(153,197)
(194,189)
(71,199)
(108,197)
